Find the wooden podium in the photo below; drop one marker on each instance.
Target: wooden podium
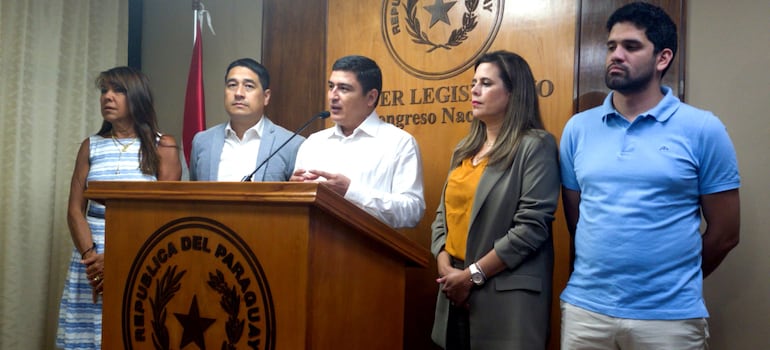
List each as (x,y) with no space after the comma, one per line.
(249,266)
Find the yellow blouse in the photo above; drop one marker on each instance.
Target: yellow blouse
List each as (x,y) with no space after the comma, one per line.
(458,202)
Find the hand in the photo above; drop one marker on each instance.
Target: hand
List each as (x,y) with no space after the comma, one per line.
(444,263)
(337,182)
(94,269)
(457,286)
(301,175)
(97,290)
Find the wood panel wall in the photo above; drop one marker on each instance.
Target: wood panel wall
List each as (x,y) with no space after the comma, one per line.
(294,51)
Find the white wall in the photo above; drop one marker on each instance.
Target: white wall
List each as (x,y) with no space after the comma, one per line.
(727,72)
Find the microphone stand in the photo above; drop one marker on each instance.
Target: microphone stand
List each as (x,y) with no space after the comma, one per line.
(322,115)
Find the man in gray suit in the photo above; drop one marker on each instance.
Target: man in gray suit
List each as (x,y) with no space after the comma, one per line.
(229,151)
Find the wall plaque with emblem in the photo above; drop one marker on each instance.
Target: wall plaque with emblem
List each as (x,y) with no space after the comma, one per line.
(425,37)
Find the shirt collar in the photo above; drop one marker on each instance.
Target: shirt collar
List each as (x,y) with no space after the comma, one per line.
(254,131)
(368,127)
(661,112)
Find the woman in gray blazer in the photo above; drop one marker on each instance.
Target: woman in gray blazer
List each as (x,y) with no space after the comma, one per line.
(492,232)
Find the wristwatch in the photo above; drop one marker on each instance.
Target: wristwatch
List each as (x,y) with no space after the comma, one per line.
(477,276)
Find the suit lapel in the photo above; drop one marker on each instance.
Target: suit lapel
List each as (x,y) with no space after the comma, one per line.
(216,152)
(265,147)
(488,180)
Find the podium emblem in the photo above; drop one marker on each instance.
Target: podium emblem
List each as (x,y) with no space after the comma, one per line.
(438,39)
(195,281)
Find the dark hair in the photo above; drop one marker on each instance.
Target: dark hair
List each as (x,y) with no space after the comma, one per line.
(141,110)
(254,66)
(521,115)
(657,25)
(367,72)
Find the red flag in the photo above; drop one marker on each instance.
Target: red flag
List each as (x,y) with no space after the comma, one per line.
(194,103)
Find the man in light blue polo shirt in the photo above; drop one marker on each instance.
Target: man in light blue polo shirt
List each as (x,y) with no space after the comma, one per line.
(638,172)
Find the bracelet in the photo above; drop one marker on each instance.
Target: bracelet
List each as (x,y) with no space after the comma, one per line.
(83,254)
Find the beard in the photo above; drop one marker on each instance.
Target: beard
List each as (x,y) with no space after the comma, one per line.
(626,84)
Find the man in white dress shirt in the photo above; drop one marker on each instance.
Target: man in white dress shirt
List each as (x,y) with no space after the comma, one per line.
(371,163)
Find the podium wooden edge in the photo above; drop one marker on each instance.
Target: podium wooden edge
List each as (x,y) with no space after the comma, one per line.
(284,193)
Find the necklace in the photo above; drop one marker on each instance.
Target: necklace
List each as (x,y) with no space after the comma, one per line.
(122,147)
(482,153)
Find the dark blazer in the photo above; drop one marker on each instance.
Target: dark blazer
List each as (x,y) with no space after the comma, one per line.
(512,213)
(207,150)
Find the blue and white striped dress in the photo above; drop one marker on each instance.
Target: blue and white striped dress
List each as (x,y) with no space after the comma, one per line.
(80,319)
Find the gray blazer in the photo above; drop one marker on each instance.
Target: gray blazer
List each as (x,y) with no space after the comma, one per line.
(207,150)
(512,213)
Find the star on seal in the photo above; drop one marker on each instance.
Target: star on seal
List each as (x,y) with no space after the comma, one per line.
(439,11)
(194,325)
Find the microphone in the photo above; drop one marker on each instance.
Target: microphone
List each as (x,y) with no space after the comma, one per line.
(322,115)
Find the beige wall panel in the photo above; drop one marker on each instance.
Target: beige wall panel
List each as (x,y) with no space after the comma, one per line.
(729,52)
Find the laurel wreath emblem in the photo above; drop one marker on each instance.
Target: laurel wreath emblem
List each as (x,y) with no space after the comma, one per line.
(470,20)
(166,287)
(230,302)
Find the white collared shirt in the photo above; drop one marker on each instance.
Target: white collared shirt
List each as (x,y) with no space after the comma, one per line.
(382,162)
(239,156)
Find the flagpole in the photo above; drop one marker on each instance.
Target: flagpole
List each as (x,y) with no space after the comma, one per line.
(196,6)
(194,119)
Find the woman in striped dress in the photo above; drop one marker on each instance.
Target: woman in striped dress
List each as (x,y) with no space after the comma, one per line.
(128,147)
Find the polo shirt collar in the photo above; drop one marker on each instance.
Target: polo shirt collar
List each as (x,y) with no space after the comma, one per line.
(661,112)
